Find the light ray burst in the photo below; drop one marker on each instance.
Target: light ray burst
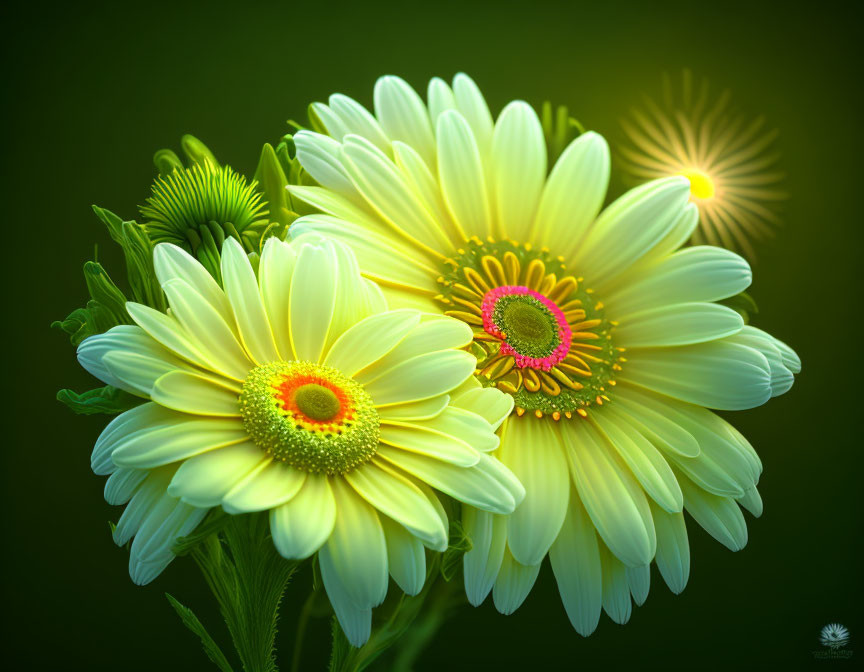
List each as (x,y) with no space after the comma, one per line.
(730,161)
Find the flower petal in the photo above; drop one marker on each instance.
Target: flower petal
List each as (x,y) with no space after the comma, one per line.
(719,374)
(171,262)
(319,156)
(573,194)
(274,279)
(406,558)
(483,488)
(302,525)
(359,121)
(460,172)
(421,377)
(415,410)
(272,483)
(575,559)
(643,459)
(312,301)
(616,591)
(612,498)
(701,273)
(472,106)
(398,498)
(629,228)
(532,449)
(380,182)
(197,393)
(518,169)
(488,403)
(356,621)
(434,333)
(181,439)
(677,324)
(673,548)
(403,116)
(141,418)
(245,297)
(205,479)
(370,339)
(380,257)
(357,549)
(719,516)
(428,441)
(206,329)
(488,535)
(513,584)
(134,341)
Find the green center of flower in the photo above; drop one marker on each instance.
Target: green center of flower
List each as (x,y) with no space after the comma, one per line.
(317,402)
(310,416)
(528,324)
(202,205)
(539,334)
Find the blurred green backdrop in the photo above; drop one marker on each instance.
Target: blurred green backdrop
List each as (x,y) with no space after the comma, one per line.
(92,90)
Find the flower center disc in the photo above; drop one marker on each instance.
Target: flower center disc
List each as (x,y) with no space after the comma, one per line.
(532,327)
(317,402)
(309,416)
(527,323)
(539,335)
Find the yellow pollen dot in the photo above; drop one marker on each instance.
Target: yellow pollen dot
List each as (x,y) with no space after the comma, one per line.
(701,185)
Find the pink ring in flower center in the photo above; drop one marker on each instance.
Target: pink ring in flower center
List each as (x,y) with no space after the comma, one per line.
(565,334)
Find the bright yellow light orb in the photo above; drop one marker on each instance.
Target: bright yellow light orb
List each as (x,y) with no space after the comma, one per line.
(701,185)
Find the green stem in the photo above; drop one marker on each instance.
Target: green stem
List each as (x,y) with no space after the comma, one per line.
(247,577)
(444,597)
(300,635)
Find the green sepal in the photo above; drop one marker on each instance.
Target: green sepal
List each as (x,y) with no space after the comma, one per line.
(108,399)
(458,545)
(138,251)
(272,180)
(77,325)
(559,129)
(166,162)
(190,620)
(207,251)
(106,294)
(197,151)
(295,174)
(216,519)
(315,121)
(743,304)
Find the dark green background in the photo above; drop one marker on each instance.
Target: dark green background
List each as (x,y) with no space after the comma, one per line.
(90,91)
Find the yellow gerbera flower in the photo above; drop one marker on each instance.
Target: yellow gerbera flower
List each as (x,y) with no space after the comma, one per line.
(728,161)
(602,331)
(297,392)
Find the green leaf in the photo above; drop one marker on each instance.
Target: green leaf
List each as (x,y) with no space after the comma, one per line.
(100,400)
(190,620)
(458,546)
